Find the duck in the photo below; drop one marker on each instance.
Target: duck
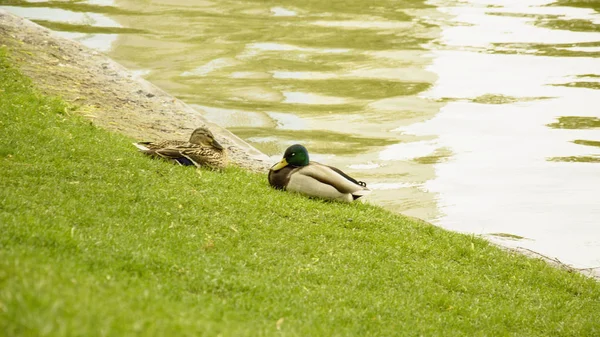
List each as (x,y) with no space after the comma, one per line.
(201,150)
(296,173)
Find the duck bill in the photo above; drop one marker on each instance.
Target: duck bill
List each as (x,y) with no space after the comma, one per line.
(283,163)
(216,144)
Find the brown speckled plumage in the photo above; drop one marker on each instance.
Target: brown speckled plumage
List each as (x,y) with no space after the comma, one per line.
(202,150)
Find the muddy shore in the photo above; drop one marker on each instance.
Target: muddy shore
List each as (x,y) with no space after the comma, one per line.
(107,93)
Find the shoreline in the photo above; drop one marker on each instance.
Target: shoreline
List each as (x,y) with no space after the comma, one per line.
(108,94)
(114,98)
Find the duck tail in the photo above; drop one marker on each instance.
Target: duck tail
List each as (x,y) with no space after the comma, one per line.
(140,146)
(360,193)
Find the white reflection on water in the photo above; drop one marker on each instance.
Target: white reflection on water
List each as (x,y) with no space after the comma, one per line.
(366,166)
(295,97)
(499,179)
(211,66)
(287,121)
(470,74)
(389,186)
(100,42)
(408,151)
(62,15)
(231,118)
(280,11)
(505,29)
(100,2)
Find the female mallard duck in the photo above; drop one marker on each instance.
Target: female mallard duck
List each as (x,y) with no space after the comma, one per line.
(201,150)
(296,173)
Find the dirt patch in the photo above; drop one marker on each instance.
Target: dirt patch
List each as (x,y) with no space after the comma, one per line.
(108,94)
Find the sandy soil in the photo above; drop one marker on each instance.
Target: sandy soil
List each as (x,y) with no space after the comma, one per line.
(109,94)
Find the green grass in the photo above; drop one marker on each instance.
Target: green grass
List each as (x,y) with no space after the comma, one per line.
(97,240)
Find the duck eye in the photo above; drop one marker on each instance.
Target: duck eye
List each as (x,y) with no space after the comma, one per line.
(293,154)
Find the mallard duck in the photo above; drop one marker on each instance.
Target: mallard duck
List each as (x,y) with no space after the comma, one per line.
(202,149)
(296,173)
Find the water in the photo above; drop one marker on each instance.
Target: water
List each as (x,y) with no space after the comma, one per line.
(481,116)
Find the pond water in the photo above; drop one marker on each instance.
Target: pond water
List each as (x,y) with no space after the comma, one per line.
(480,116)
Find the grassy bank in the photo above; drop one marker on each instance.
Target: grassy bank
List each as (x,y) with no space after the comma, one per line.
(99,240)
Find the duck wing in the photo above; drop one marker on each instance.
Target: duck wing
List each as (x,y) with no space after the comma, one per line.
(340,172)
(159,145)
(203,156)
(334,177)
(171,153)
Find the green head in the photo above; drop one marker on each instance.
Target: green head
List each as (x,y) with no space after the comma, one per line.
(295,155)
(203,136)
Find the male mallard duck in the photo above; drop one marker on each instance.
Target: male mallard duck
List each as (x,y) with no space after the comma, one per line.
(201,150)
(296,173)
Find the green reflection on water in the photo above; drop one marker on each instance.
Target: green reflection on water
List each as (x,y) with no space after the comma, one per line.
(575,25)
(587,142)
(320,141)
(502,99)
(244,29)
(67,27)
(361,89)
(576,122)
(577,159)
(316,36)
(594,4)
(508,236)
(354,88)
(226,54)
(75,6)
(580,84)
(389,9)
(438,156)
